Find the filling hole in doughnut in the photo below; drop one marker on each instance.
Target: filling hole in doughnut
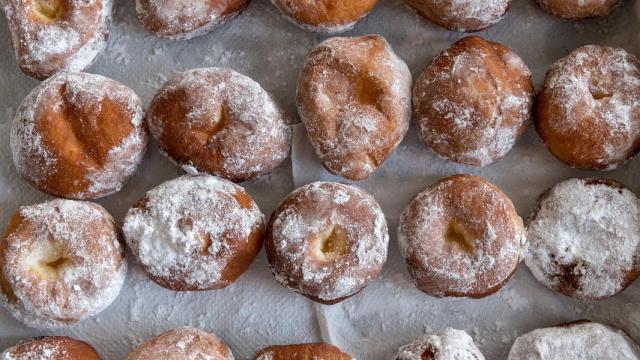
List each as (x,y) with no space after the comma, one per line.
(331,244)
(599,95)
(48,261)
(48,10)
(456,235)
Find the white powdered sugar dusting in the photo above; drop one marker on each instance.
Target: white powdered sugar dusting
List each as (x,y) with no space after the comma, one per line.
(585,236)
(289,8)
(71,42)
(449,344)
(84,93)
(578,341)
(184,343)
(89,280)
(183,229)
(37,350)
(463,15)
(329,204)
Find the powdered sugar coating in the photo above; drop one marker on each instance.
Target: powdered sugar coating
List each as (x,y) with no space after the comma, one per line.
(354,97)
(579,9)
(183,343)
(577,341)
(587,112)
(186,19)
(50,348)
(462,15)
(310,211)
(584,238)
(218,121)
(189,231)
(474,101)
(312,15)
(68,43)
(449,344)
(494,238)
(83,234)
(100,164)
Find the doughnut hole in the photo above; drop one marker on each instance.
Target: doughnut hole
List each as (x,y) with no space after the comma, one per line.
(47,10)
(458,238)
(48,260)
(331,244)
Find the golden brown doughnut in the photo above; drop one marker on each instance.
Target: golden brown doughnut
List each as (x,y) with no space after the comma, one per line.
(354,98)
(328,16)
(51,348)
(461,237)
(327,241)
(587,111)
(218,121)
(584,340)
(60,262)
(583,240)
(181,344)
(473,102)
(49,36)
(319,351)
(79,136)
(462,15)
(579,9)
(186,19)
(195,233)
(449,344)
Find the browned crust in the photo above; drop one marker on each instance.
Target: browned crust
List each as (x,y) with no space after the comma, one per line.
(318,351)
(326,13)
(440,15)
(572,10)
(181,342)
(68,348)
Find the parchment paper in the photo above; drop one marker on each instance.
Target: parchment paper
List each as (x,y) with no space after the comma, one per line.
(256,311)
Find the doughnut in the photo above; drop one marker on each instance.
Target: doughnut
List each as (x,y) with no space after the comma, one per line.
(61,262)
(327,241)
(220,122)
(461,237)
(327,16)
(579,9)
(51,348)
(587,113)
(195,233)
(449,344)
(79,136)
(319,351)
(462,15)
(583,340)
(50,36)
(186,19)
(354,98)
(182,343)
(584,238)
(473,102)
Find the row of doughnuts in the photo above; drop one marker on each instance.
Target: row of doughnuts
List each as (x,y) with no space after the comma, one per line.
(583,340)
(49,36)
(81,136)
(460,237)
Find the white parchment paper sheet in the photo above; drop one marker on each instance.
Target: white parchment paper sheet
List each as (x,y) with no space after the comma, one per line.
(256,311)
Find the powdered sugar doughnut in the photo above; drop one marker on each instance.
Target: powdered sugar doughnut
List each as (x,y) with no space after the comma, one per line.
(354,97)
(51,348)
(327,241)
(581,340)
(461,237)
(327,16)
(181,344)
(79,136)
(218,121)
(449,344)
(320,351)
(462,15)
(587,112)
(584,238)
(60,262)
(186,19)
(474,101)
(579,9)
(49,36)
(195,233)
